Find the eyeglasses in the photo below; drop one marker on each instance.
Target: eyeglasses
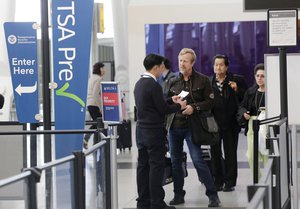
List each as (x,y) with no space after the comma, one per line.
(259,76)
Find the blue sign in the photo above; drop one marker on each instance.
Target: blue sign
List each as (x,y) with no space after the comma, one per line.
(21,42)
(111,102)
(72,31)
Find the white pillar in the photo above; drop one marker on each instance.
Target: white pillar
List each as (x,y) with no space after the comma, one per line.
(7,14)
(120,22)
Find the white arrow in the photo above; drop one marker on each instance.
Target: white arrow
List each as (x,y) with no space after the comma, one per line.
(25,89)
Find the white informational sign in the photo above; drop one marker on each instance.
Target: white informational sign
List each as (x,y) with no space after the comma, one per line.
(273,86)
(282,27)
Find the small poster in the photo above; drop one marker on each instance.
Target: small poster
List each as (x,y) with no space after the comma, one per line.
(111,102)
(282,27)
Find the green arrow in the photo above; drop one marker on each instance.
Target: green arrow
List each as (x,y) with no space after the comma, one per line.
(61,92)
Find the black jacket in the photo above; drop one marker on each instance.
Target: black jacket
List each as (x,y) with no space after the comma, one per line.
(226,103)
(201,94)
(151,105)
(246,106)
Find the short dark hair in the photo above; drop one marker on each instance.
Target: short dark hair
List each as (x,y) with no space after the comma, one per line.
(259,66)
(96,67)
(151,60)
(221,56)
(167,63)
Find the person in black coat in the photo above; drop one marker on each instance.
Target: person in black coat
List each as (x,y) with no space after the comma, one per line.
(251,108)
(1,101)
(150,133)
(228,90)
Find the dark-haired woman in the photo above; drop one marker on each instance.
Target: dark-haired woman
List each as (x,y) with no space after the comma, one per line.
(94,97)
(251,108)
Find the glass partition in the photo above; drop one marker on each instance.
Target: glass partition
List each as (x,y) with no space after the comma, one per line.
(60,179)
(95,179)
(18,200)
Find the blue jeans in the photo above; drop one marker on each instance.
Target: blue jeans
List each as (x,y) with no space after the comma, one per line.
(177,137)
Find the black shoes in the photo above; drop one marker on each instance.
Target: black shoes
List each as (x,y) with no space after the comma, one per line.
(228,189)
(218,188)
(214,202)
(178,199)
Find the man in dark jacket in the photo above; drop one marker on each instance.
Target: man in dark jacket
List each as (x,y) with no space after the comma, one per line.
(1,101)
(150,133)
(200,98)
(228,91)
(165,77)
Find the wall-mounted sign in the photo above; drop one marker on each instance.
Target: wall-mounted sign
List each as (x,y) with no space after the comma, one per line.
(21,42)
(111,102)
(282,27)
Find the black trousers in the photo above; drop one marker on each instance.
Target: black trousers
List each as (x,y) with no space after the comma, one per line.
(95,113)
(150,169)
(225,172)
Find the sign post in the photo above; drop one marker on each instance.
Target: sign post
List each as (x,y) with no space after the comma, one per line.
(112,114)
(282,33)
(21,41)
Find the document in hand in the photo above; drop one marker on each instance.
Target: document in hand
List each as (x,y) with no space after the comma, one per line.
(183,94)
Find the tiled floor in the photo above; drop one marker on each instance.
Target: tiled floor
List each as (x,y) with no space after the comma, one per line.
(195,197)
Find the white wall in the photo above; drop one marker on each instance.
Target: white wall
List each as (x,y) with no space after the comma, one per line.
(273,86)
(141,12)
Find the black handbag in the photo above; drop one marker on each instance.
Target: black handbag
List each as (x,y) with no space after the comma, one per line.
(168,177)
(204,128)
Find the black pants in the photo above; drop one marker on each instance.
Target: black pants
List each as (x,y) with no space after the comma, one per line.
(150,169)
(95,113)
(226,173)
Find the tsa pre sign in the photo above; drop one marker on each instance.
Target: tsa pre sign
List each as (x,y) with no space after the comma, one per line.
(111,102)
(72,31)
(21,42)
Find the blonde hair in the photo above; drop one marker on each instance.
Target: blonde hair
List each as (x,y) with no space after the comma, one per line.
(188,51)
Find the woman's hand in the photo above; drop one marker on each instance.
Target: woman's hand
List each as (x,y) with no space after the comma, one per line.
(247,115)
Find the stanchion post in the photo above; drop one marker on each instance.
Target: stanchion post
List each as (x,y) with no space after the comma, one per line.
(79,180)
(113,153)
(108,197)
(33,146)
(255,151)
(276,187)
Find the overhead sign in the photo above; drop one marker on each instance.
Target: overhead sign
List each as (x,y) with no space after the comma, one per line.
(72,31)
(282,27)
(21,42)
(111,102)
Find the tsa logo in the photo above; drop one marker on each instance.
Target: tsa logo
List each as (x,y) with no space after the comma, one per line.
(12,39)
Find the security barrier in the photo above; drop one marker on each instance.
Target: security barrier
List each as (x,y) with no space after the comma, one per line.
(71,180)
(268,193)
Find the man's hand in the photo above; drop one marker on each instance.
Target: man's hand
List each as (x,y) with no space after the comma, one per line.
(188,110)
(233,85)
(182,103)
(176,98)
